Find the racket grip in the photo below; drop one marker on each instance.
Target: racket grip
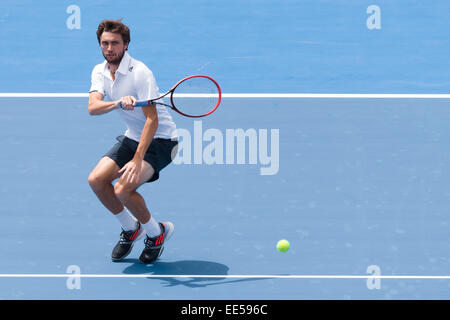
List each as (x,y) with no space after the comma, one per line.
(143,103)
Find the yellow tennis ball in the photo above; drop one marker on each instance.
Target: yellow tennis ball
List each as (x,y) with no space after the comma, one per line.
(283,245)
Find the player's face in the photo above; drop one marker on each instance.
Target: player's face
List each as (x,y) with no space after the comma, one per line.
(113,47)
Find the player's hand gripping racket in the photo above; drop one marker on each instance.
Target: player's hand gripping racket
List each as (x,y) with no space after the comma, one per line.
(195,96)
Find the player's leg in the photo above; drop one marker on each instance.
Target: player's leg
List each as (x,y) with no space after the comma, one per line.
(126,193)
(159,155)
(156,232)
(100,179)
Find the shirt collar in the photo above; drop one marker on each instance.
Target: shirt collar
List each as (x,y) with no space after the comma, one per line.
(123,66)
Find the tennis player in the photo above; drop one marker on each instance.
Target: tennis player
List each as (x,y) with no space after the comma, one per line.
(141,153)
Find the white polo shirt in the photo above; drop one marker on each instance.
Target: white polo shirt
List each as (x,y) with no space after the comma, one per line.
(132,78)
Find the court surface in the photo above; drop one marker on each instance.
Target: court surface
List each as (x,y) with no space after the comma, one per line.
(358,185)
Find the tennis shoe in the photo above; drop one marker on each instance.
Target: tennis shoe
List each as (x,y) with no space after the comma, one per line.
(126,242)
(154,247)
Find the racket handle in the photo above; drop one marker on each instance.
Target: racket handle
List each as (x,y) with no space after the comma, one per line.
(140,103)
(143,103)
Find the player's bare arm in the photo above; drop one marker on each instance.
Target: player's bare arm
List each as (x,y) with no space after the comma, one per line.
(97,106)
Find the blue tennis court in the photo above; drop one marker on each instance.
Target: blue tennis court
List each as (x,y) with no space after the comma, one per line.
(359,186)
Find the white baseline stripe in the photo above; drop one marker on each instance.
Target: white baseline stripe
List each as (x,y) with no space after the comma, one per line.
(75,275)
(43,95)
(254,95)
(337,96)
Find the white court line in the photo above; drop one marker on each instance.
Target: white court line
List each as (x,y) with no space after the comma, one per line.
(253,95)
(268,276)
(43,95)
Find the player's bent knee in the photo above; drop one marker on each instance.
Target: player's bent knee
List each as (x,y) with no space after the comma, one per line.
(93,180)
(122,191)
(96,181)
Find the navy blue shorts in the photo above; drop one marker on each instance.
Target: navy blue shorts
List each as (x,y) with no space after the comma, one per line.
(158,155)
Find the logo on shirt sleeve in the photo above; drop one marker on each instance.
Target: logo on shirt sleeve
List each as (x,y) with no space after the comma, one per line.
(130,68)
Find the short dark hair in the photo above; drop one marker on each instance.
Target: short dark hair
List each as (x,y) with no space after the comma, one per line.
(114,26)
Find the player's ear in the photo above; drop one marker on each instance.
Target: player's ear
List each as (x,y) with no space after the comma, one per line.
(126,46)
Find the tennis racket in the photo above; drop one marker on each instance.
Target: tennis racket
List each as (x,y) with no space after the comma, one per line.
(194,96)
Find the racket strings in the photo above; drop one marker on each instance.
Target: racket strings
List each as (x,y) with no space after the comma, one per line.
(196,96)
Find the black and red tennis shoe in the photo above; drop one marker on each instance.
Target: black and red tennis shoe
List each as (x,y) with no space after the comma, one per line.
(126,242)
(154,247)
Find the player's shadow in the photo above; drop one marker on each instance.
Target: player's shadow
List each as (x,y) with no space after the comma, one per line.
(184,267)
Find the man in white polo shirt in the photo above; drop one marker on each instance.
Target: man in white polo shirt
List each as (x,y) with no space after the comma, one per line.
(141,153)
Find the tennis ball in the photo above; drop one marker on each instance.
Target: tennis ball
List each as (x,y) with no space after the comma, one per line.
(283,245)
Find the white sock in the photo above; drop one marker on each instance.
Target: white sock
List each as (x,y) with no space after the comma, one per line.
(152,228)
(127,220)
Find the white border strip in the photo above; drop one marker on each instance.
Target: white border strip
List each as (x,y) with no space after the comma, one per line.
(335,96)
(43,95)
(253,95)
(268,276)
